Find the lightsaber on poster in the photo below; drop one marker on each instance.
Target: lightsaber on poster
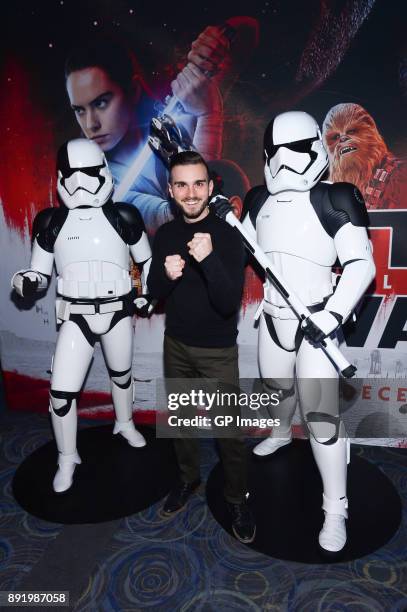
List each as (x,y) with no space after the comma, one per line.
(223,209)
(151,144)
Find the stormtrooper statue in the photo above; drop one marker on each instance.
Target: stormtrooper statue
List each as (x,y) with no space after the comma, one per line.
(304,226)
(89,239)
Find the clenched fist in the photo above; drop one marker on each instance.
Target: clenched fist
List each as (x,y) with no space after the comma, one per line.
(198,94)
(174,265)
(200,246)
(210,52)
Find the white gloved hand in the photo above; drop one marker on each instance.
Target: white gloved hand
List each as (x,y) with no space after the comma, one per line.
(220,205)
(144,305)
(26,282)
(320,325)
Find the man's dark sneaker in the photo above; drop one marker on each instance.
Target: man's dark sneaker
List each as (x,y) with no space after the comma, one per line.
(243,524)
(179,496)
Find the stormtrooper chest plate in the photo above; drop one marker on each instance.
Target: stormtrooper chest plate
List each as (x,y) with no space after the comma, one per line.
(290,232)
(288,223)
(92,260)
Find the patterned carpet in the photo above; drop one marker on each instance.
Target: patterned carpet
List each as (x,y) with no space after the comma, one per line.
(187,562)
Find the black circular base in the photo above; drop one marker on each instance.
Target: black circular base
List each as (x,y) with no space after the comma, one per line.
(113,481)
(286,497)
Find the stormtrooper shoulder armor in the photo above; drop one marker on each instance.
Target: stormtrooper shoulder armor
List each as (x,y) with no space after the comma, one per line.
(126,220)
(47,225)
(253,202)
(41,221)
(337,204)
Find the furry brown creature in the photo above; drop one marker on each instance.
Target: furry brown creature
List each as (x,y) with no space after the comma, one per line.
(358,154)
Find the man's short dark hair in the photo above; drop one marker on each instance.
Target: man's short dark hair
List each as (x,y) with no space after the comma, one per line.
(109,55)
(187,158)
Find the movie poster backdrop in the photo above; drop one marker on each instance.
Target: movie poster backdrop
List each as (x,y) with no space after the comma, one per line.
(233,65)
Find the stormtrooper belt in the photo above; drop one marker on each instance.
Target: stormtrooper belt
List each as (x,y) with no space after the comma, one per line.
(65,308)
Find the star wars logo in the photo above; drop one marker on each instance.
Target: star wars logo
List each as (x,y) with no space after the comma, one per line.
(382,317)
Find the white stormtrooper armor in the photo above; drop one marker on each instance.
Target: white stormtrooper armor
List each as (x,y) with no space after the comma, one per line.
(304,226)
(295,155)
(84,178)
(90,239)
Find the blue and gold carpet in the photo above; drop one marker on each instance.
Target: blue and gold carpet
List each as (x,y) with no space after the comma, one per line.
(186,562)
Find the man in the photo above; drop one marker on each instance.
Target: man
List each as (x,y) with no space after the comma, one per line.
(197,267)
(104,86)
(304,225)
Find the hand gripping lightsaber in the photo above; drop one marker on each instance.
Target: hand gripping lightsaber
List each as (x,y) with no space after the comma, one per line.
(142,158)
(336,356)
(171,103)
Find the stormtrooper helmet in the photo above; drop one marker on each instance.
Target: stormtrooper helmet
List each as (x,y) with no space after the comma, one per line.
(295,155)
(84,178)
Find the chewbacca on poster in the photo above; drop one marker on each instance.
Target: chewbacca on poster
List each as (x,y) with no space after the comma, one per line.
(359,155)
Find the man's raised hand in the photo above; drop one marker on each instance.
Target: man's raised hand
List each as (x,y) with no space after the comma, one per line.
(174,266)
(200,246)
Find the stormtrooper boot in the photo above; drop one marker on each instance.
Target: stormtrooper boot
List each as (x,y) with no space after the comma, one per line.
(66,467)
(332,461)
(332,536)
(65,435)
(277,439)
(281,435)
(130,433)
(123,405)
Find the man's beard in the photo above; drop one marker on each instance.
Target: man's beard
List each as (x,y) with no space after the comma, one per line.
(197,213)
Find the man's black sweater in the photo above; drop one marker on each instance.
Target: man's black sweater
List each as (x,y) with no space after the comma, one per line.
(202,306)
